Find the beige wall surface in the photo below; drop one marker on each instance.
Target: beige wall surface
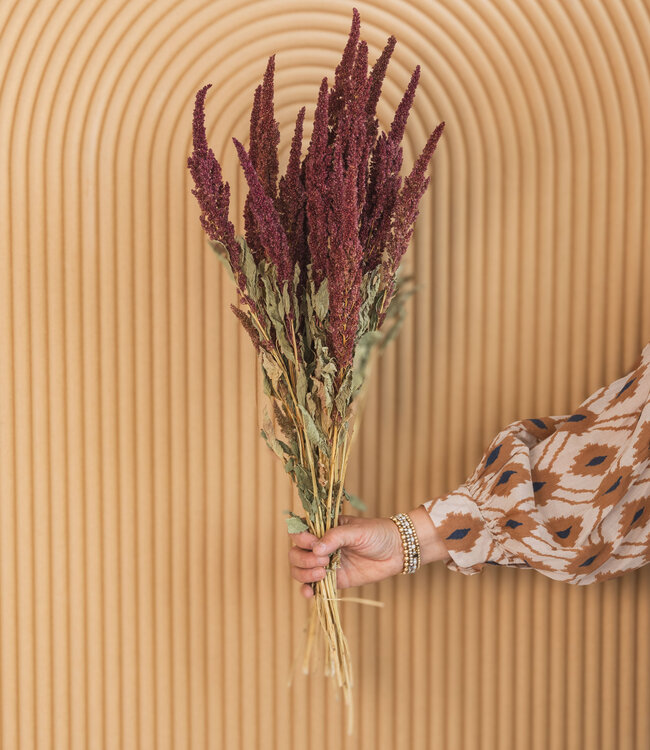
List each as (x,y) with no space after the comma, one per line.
(145,597)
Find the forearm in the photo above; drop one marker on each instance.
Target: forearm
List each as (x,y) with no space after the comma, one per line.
(432,548)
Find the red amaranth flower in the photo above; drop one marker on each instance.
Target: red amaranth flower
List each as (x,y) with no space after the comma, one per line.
(344,70)
(344,208)
(250,226)
(377,76)
(267,134)
(211,192)
(317,166)
(406,211)
(383,189)
(249,326)
(351,126)
(398,126)
(292,199)
(385,181)
(348,171)
(344,270)
(264,138)
(274,239)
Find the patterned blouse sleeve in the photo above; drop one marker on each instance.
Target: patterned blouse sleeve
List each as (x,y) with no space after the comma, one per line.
(567,495)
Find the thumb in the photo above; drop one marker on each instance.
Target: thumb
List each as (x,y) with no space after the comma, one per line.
(344,535)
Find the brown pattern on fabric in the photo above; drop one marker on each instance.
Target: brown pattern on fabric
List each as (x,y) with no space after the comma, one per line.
(645,553)
(510,477)
(566,495)
(589,557)
(459,530)
(545,485)
(629,390)
(519,523)
(578,422)
(613,487)
(541,428)
(565,529)
(544,567)
(634,514)
(497,455)
(593,459)
(642,442)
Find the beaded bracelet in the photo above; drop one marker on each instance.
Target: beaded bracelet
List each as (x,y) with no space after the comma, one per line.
(410,543)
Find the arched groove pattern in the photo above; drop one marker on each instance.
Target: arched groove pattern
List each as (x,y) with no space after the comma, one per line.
(144,590)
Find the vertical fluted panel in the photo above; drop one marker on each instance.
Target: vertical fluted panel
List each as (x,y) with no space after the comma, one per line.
(145,600)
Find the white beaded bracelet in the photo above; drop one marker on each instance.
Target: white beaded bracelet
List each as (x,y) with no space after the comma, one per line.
(410,542)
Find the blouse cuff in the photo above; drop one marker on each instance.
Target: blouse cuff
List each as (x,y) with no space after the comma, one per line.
(465,532)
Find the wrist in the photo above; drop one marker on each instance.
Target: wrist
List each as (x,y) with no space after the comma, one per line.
(432,548)
(397,549)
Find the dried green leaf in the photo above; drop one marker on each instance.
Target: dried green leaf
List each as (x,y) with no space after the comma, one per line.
(284,446)
(302,477)
(308,338)
(284,421)
(271,298)
(355,502)
(319,389)
(248,267)
(218,247)
(296,276)
(362,352)
(311,405)
(323,363)
(221,253)
(272,443)
(268,435)
(396,309)
(307,499)
(272,369)
(342,399)
(328,384)
(301,385)
(369,291)
(274,306)
(285,346)
(322,300)
(314,434)
(285,298)
(267,386)
(296,525)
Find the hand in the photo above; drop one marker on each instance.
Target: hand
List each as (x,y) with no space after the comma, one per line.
(371,550)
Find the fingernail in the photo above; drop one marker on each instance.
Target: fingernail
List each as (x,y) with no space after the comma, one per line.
(320,547)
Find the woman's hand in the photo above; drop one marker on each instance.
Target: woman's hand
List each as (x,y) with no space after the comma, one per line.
(371,550)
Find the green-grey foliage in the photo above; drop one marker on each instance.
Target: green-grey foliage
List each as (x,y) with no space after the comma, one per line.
(355,502)
(295,524)
(314,390)
(221,253)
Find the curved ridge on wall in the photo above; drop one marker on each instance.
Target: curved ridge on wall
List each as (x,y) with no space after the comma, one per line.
(144,591)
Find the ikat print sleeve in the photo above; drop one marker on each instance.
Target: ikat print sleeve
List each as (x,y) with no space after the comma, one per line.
(568,496)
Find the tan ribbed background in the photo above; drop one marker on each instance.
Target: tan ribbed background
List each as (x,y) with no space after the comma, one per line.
(145,597)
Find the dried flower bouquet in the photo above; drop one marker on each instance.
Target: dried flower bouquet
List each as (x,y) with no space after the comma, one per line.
(318,274)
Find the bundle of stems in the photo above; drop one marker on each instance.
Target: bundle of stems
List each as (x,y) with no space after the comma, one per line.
(318,275)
